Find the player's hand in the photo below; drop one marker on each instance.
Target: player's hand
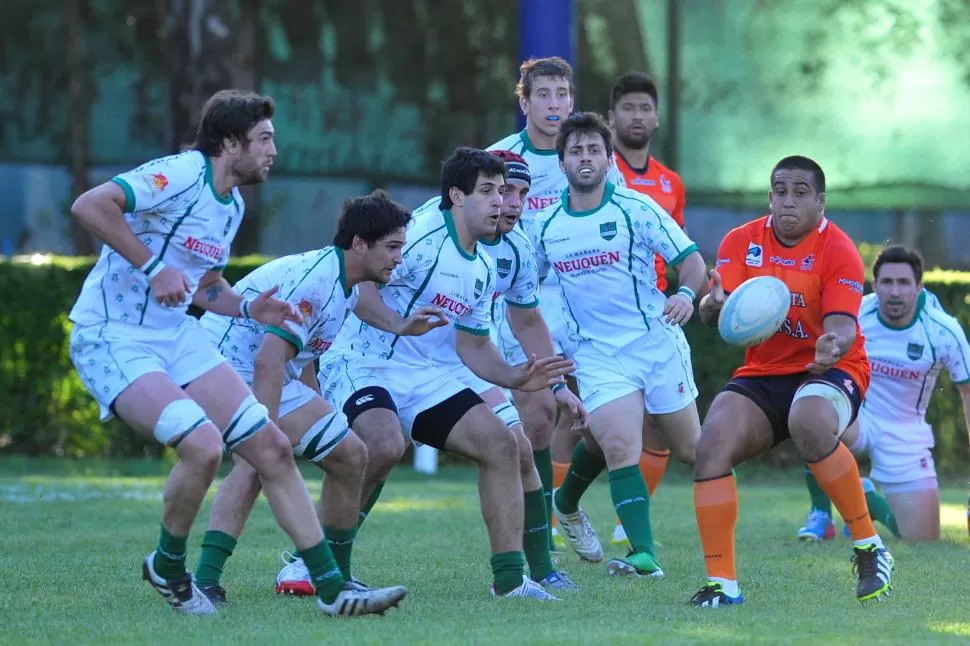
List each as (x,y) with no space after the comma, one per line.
(272,311)
(716,292)
(827,353)
(422,321)
(536,374)
(678,309)
(570,404)
(170,287)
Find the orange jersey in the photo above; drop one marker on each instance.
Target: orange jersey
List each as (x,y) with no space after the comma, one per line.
(825,275)
(664,187)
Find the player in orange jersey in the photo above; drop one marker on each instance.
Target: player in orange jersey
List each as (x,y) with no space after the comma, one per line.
(805,382)
(634,118)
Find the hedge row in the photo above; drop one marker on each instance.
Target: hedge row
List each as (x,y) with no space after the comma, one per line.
(44,409)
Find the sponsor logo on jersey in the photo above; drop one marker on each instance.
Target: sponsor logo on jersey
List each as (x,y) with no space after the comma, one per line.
(807,262)
(784,262)
(914,351)
(721,261)
(897,372)
(608,230)
(798,299)
(854,285)
(665,184)
(755,255)
(587,262)
(306,308)
(319,346)
(202,248)
(479,287)
(638,181)
(156,182)
(539,203)
(504,267)
(449,304)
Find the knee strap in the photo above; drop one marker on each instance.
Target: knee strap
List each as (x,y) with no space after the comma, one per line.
(508,413)
(177,420)
(250,417)
(323,437)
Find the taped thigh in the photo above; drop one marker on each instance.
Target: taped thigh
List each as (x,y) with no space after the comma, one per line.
(323,437)
(833,395)
(177,420)
(249,418)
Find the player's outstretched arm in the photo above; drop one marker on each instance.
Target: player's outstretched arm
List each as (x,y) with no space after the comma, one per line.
(690,274)
(713,300)
(840,334)
(372,310)
(481,356)
(216,295)
(272,356)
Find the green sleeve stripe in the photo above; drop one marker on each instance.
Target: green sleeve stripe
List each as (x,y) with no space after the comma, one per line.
(525,306)
(286,336)
(683,254)
(129,194)
(483,332)
(961,383)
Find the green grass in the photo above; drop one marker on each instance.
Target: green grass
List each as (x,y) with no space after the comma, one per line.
(74,535)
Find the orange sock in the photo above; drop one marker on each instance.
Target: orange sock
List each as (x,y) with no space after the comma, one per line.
(653,465)
(559,471)
(716,506)
(838,476)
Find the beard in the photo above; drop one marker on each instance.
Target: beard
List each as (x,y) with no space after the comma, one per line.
(248,172)
(634,142)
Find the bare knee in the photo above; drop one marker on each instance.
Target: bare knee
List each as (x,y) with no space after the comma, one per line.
(620,447)
(814,427)
(499,445)
(380,432)
(526,459)
(539,419)
(202,450)
(270,452)
(715,452)
(348,459)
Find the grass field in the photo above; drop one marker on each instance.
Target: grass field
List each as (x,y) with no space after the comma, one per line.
(74,535)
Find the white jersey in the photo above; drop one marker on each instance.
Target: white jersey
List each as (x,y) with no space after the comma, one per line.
(173,208)
(906,363)
(605,262)
(315,283)
(437,272)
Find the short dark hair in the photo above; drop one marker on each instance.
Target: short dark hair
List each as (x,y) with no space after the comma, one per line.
(462,169)
(797,162)
(553,66)
(630,83)
(230,114)
(583,123)
(897,253)
(370,218)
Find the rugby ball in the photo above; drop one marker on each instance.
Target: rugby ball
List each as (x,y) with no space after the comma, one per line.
(754,311)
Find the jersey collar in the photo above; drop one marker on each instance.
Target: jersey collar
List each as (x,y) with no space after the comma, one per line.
(920,303)
(343,272)
(453,234)
(607,196)
(527,145)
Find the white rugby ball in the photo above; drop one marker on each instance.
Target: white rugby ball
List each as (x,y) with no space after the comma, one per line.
(754,311)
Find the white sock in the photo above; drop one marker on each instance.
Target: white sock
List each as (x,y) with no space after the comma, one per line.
(876,540)
(728,586)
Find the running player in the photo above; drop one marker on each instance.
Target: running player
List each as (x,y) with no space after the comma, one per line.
(805,382)
(909,341)
(600,239)
(168,226)
(278,364)
(634,117)
(442,267)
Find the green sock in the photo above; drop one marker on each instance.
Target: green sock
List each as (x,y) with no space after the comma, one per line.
(216,548)
(169,562)
(543,460)
(820,501)
(879,508)
(535,536)
(370,502)
(508,568)
(584,468)
(324,572)
(341,542)
(632,504)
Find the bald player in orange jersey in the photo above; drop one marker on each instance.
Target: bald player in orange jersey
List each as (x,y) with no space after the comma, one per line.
(634,118)
(805,382)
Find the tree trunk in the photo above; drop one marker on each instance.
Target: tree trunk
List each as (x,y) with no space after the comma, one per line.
(79,126)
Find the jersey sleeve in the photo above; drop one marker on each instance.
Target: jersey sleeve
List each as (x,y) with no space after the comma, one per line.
(304,293)
(156,182)
(525,285)
(955,352)
(654,228)
(478,319)
(730,261)
(842,282)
